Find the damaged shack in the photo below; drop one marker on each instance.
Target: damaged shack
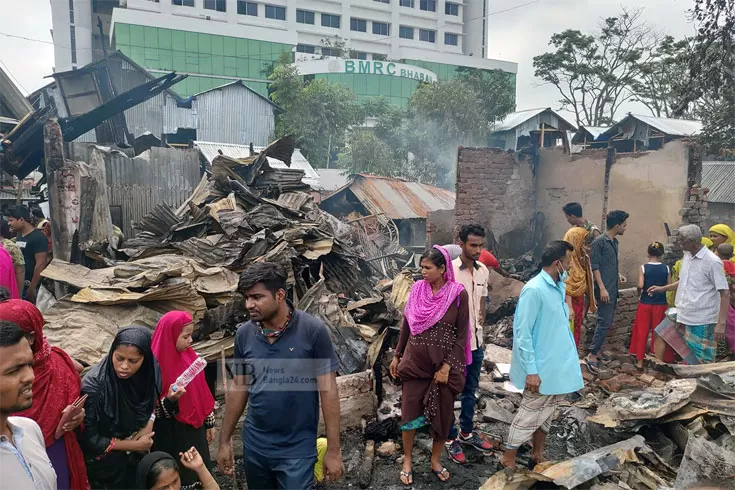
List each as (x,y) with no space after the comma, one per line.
(395,206)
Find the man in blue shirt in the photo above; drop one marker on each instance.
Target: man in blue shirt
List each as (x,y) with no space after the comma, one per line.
(544,363)
(284,362)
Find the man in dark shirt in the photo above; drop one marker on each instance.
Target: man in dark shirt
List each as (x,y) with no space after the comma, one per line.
(574,215)
(284,363)
(605,269)
(34,245)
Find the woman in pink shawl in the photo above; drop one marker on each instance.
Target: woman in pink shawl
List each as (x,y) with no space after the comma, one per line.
(7,273)
(432,354)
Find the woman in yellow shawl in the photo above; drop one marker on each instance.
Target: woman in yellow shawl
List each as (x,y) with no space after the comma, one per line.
(720,234)
(579,282)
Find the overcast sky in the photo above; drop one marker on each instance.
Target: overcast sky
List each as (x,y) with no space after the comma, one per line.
(516,35)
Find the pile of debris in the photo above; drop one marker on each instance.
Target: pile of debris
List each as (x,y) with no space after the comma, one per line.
(242,211)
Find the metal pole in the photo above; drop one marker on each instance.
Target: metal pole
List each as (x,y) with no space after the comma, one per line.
(329,149)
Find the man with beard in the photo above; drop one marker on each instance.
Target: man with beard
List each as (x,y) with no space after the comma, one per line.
(473,275)
(24,464)
(606,271)
(284,363)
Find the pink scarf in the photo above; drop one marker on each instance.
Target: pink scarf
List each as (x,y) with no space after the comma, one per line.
(7,273)
(424,309)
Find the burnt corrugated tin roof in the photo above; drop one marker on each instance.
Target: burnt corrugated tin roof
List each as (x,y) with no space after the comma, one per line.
(210,150)
(399,199)
(719,178)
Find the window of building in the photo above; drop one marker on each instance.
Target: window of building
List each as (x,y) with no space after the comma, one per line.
(329,20)
(71,11)
(73,43)
(406,3)
(381,28)
(427,35)
(305,17)
(380,57)
(382,1)
(428,5)
(305,48)
(247,8)
(451,39)
(275,12)
(405,32)
(184,3)
(359,25)
(218,5)
(360,55)
(451,8)
(327,51)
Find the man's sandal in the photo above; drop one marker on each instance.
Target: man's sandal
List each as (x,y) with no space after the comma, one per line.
(442,471)
(408,475)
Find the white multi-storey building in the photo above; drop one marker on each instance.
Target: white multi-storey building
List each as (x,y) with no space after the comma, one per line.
(393,43)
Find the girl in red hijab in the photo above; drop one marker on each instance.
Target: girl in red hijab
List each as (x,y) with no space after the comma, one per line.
(189,421)
(56,386)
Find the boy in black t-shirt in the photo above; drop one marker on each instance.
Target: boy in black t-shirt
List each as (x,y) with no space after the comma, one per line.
(34,246)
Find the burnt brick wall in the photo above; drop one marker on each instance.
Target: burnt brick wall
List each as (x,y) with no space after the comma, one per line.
(495,189)
(440,227)
(618,337)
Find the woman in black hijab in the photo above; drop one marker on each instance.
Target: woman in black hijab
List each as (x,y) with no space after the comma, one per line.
(122,391)
(160,470)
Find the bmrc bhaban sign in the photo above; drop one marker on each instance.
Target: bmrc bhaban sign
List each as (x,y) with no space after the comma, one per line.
(365,67)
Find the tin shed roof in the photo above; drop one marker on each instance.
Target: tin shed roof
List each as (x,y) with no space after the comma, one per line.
(210,150)
(719,178)
(398,199)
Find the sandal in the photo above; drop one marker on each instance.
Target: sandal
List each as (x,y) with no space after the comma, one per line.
(593,366)
(408,475)
(442,471)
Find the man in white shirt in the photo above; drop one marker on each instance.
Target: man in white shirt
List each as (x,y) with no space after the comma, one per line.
(24,464)
(473,275)
(702,298)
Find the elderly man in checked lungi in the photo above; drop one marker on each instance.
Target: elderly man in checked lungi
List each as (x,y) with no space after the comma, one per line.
(702,301)
(544,363)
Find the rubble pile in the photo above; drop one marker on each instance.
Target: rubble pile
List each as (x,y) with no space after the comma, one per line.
(242,211)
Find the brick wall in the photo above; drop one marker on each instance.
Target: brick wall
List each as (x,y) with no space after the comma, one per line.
(618,337)
(495,189)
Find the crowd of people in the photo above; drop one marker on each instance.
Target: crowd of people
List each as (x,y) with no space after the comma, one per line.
(129,422)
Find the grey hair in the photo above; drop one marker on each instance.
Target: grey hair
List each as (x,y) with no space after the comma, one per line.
(690,232)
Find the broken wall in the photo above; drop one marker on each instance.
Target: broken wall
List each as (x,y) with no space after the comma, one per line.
(650,186)
(720,212)
(496,189)
(618,337)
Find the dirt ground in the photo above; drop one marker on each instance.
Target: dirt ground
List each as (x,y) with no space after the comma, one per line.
(570,436)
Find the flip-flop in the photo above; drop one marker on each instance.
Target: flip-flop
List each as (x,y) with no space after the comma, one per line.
(593,366)
(408,475)
(440,472)
(531,464)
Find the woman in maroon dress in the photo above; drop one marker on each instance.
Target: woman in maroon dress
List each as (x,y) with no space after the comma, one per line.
(430,360)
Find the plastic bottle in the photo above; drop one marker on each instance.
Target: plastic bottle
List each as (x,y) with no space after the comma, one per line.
(190,373)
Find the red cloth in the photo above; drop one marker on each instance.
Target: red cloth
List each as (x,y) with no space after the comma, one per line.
(7,273)
(578,306)
(646,320)
(197,403)
(56,386)
(729,267)
(489,260)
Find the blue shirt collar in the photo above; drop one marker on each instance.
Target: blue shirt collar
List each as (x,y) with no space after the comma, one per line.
(550,280)
(18,434)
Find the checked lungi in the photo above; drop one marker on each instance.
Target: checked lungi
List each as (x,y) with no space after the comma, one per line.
(536,412)
(694,343)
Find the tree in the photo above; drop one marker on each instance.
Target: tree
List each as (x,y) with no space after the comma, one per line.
(317,112)
(594,73)
(711,74)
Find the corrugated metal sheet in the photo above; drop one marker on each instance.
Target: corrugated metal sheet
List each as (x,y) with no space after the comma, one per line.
(515,119)
(673,127)
(719,178)
(399,199)
(136,185)
(333,178)
(594,131)
(210,150)
(235,114)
